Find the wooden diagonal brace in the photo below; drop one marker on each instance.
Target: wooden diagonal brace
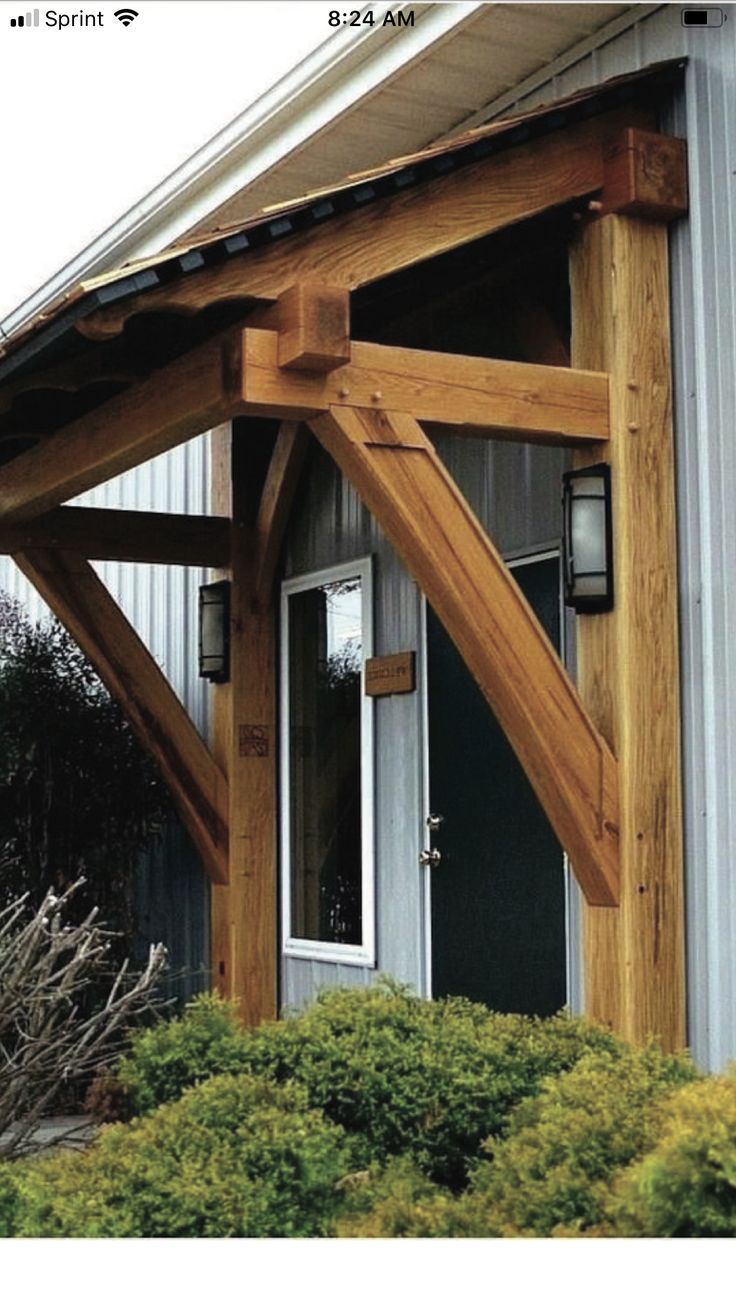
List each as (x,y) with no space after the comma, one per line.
(74,592)
(397,473)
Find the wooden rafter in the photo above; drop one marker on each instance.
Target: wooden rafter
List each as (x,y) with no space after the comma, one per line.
(180,401)
(396,471)
(508,400)
(85,369)
(362,247)
(74,592)
(124,535)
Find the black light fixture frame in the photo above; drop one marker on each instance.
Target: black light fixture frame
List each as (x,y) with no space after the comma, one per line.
(216,592)
(587,603)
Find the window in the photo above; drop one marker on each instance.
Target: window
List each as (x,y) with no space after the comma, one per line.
(327,766)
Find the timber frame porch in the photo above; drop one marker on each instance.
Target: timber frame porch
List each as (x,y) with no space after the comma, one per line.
(275,352)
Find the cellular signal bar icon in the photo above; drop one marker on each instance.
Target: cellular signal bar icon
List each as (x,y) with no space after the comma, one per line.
(27,20)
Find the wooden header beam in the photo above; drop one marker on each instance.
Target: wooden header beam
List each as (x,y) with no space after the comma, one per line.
(74,592)
(507,400)
(125,536)
(397,473)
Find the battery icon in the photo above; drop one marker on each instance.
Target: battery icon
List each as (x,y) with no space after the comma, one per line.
(703,17)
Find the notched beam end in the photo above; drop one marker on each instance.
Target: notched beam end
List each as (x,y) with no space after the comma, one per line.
(645,175)
(314,327)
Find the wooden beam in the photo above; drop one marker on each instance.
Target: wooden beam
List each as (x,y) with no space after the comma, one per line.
(513,401)
(85,369)
(244,922)
(124,535)
(219,720)
(404,229)
(397,473)
(628,659)
(314,327)
(179,401)
(645,175)
(74,592)
(279,489)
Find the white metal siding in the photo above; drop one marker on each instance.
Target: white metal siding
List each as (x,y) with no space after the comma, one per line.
(703,249)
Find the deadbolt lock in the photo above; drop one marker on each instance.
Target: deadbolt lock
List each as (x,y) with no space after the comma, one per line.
(434,821)
(430,858)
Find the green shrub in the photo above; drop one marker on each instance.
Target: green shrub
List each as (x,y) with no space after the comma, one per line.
(8,1201)
(429,1078)
(686,1185)
(554,1168)
(168,1058)
(234,1157)
(397,1202)
(406,1075)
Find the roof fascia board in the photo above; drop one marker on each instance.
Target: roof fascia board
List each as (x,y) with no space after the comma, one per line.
(345,68)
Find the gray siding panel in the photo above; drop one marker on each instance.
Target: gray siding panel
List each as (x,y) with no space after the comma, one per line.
(161,603)
(331,526)
(703,249)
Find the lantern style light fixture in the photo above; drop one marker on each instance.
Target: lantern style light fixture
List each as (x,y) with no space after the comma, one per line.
(214,631)
(587,539)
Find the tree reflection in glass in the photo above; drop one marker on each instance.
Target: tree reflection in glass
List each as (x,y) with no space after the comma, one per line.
(325,656)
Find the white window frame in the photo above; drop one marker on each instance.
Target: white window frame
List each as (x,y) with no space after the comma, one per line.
(364,954)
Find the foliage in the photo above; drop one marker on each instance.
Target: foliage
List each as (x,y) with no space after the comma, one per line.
(77,794)
(165,1059)
(686,1185)
(47,966)
(398,1201)
(554,1167)
(234,1157)
(431,1078)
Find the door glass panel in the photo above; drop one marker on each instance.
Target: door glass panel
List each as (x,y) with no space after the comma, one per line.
(325,658)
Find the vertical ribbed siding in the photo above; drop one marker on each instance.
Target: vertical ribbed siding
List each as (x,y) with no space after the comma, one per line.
(161,603)
(703,250)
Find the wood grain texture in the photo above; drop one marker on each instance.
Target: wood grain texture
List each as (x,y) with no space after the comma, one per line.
(628,659)
(516,401)
(277,497)
(244,923)
(74,592)
(645,175)
(314,327)
(219,716)
(179,401)
(401,230)
(252,772)
(125,536)
(397,473)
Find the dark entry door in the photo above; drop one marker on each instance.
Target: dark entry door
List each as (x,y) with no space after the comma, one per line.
(498,894)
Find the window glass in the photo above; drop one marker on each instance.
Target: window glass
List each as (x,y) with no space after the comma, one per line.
(325,652)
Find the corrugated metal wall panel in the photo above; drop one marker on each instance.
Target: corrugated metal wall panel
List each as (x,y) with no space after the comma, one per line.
(161,603)
(703,250)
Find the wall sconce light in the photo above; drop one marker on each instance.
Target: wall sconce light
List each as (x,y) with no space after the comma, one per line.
(587,539)
(214,631)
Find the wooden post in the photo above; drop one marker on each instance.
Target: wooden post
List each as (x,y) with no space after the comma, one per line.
(221,961)
(244,927)
(628,659)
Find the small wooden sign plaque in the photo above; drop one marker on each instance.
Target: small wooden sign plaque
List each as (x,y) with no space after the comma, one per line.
(391,674)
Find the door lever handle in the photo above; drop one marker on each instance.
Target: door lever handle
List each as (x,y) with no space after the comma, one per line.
(430,858)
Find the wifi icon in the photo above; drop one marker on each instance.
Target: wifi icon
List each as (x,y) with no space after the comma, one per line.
(126,16)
